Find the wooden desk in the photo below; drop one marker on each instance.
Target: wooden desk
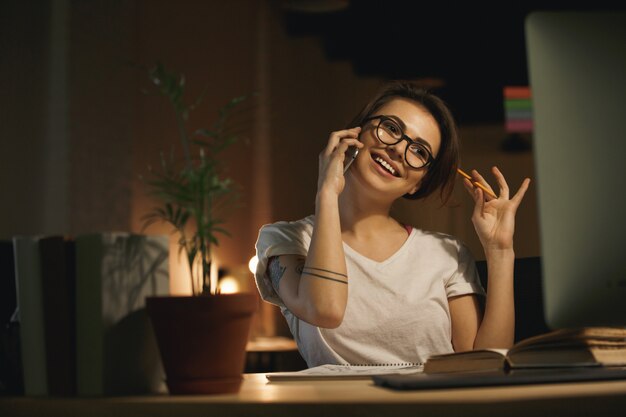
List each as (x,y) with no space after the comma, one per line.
(344,398)
(273,354)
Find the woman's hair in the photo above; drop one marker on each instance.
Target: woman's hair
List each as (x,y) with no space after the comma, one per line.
(441,173)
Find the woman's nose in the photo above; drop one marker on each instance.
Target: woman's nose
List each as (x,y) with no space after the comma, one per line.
(397,151)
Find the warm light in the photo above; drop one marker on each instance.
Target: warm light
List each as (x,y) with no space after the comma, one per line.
(252,264)
(228,285)
(214,274)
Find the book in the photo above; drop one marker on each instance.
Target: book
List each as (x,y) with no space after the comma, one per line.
(10,364)
(56,255)
(44,280)
(583,347)
(116,350)
(338,372)
(30,314)
(8,295)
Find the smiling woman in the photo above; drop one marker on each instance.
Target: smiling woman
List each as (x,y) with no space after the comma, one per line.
(389,144)
(358,287)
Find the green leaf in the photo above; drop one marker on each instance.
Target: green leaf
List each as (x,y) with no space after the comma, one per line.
(199,99)
(220,230)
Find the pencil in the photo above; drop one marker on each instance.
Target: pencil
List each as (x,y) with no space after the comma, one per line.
(477,184)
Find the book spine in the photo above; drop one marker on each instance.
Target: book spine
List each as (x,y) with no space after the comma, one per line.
(57,274)
(89,327)
(11,378)
(8,294)
(31,315)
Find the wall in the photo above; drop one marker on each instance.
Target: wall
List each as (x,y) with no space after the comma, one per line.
(24,30)
(101,113)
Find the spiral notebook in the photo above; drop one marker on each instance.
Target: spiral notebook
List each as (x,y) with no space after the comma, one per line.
(348,371)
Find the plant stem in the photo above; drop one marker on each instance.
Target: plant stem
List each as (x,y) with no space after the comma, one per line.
(207,218)
(184,140)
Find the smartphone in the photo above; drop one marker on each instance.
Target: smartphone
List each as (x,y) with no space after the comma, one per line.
(351,154)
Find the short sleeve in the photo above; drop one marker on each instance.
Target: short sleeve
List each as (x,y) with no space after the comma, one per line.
(465,279)
(281,238)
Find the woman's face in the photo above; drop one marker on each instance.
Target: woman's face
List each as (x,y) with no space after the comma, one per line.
(383,166)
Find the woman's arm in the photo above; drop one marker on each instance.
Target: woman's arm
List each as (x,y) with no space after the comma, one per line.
(466,316)
(315,289)
(494,221)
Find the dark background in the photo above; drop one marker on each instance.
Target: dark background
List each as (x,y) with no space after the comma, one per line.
(475,51)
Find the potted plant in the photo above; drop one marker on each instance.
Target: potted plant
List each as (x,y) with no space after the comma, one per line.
(201,337)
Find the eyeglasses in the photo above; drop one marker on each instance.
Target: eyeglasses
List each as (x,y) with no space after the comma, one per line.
(389,132)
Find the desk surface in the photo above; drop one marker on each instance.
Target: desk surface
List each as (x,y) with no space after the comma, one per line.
(258,397)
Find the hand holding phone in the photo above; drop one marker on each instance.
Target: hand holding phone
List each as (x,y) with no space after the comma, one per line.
(341,150)
(351,154)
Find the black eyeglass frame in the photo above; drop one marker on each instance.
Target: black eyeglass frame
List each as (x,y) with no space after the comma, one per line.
(382,118)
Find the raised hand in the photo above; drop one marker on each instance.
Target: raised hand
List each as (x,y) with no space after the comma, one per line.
(494,218)
(331,178)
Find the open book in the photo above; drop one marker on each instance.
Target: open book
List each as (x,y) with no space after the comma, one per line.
(325,372)
(592,346)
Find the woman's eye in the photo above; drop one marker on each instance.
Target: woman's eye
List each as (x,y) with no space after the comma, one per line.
(420,151)
(392,128)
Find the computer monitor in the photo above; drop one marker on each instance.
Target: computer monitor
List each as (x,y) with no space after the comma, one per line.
(577,73)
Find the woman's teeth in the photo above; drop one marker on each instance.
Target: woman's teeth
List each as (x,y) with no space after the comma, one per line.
(385,165)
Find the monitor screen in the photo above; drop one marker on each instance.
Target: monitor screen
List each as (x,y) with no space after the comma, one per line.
(577,73)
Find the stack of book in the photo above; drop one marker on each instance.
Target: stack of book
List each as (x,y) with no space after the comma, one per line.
(564,348)
(83,326)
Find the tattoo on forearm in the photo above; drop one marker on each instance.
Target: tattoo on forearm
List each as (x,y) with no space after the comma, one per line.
(275,271)
(320,273)
(323,277)
(325,270)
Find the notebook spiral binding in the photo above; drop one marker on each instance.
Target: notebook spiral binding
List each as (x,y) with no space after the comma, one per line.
(386,364)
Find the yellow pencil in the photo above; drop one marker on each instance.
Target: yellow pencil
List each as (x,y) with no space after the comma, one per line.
(477,184)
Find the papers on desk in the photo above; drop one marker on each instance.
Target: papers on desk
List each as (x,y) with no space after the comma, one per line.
(334,372)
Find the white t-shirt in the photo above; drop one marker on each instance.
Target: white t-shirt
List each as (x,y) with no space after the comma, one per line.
(397,310)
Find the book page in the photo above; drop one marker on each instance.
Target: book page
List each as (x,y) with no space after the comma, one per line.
(345,372)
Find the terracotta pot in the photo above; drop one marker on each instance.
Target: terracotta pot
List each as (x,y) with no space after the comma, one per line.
(202,340)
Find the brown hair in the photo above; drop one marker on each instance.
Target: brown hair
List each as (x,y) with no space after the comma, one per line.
(441,173)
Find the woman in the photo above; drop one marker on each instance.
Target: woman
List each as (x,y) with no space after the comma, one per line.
(358,287)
